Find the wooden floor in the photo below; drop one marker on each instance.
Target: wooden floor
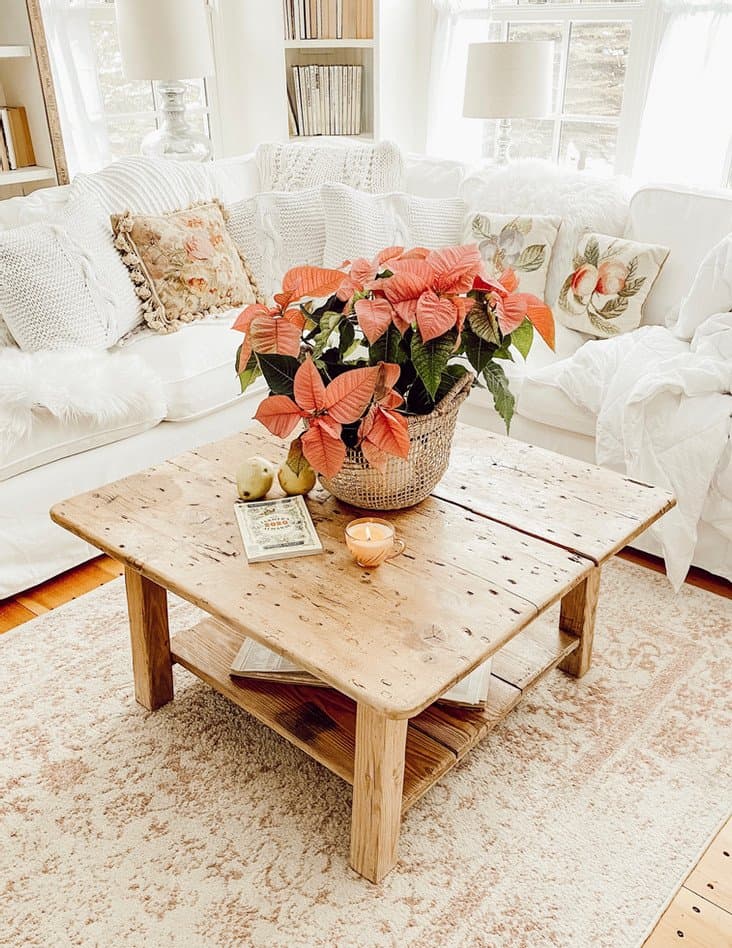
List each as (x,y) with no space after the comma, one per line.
(698,915)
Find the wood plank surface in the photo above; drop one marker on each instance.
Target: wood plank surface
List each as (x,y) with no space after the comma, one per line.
(396,637)
(693,922)
(578,506)
(320,721)
(712,875)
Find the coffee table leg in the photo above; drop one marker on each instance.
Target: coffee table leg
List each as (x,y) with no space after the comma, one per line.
(147,605)
(377,792)
(578,618)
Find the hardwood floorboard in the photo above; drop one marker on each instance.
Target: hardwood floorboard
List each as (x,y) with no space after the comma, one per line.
(700,913)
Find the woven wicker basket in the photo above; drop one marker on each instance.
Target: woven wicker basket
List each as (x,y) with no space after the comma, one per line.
(404,481)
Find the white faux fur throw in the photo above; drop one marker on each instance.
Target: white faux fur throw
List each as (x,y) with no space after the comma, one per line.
(583,201)
(105,388)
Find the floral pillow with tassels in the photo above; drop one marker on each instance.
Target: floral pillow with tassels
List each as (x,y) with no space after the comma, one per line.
(522,244)
(610,281)
(184,265)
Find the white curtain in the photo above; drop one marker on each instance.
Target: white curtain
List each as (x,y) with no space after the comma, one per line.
(686,132)
(76,83)
(449,135)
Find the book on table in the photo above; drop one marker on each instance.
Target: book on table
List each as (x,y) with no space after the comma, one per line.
(256,661)
(276,529)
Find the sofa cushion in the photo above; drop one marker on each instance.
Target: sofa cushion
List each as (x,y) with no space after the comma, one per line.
(711,291)
(360,225)
(195,365)
(542,400)
(690,223)
(433,177)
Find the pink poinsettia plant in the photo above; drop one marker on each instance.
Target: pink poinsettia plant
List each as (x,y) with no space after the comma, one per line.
(351,353)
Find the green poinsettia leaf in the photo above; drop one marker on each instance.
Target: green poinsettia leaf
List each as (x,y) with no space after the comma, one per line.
(389,347)
(249,373)
(522,337)
(531,258)
(419,401)
(431,358)
(450,376)
(328,323)
(278,371)
(478,351)
(347,342)
(296,460)
(483,322)
(505,403)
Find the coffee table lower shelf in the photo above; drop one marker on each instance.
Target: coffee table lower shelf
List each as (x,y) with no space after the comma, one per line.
(322,722)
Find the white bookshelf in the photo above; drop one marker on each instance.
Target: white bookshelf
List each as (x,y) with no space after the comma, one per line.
(27,175)
(14,52)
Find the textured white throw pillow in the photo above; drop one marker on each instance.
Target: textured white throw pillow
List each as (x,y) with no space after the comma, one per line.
(711,291)
(521,243)
(295,166)
(360,225)
(276,231)
(146,185)
(62,283)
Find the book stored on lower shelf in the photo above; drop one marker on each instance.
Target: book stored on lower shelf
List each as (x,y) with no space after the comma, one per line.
(257,661)
(16,147)
(327,99)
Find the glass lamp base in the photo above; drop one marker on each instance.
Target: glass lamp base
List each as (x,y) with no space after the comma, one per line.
(175,138)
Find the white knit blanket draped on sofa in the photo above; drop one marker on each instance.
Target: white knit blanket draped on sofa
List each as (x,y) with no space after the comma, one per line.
(101,387)
(664,409)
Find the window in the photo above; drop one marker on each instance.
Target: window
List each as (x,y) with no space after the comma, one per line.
(131,108)
(601,57)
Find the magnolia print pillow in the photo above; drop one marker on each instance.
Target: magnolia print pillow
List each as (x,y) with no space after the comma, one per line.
(521,244)
(184,265)
(610,281)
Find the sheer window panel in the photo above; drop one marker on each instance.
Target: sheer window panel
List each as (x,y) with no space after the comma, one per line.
(530,138)
(588,146)
(126,133)
(596,66)
(118,94)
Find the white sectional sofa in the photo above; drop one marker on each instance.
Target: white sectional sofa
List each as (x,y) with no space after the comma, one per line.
(202,401)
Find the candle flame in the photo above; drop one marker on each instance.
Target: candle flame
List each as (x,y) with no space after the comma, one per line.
(368,533)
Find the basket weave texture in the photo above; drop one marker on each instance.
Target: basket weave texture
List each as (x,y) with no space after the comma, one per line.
(404,481)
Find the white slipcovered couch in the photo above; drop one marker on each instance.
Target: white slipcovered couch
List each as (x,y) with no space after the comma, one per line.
(198,398)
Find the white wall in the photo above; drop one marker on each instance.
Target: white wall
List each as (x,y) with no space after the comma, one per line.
(249,87)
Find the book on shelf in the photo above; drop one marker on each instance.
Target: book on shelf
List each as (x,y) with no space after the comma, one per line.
(257,661)
(16,150)
(276,529)
(328,19)
(327,99)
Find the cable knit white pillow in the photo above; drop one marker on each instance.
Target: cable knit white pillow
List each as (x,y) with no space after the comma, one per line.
(711,291)
(360,225)
(295,166)
(276,231)
(63,285)
(146,185)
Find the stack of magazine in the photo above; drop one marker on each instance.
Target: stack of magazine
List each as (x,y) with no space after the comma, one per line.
(327,100)
(257,661)
(328,19)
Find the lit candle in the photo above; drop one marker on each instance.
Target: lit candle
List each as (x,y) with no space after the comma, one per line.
(372,541)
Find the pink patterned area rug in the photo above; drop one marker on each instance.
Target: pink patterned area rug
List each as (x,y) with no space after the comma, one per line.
(569,825)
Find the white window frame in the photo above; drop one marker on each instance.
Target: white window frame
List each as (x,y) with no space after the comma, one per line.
(104,10)
(643,18)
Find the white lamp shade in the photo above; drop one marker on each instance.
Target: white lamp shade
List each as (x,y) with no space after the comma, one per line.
(164,39)
(509,80)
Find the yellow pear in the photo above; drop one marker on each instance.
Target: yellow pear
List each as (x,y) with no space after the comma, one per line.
(254,478)
(292,482)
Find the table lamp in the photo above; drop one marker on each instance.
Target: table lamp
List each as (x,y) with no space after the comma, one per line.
(508,80)
(168,41)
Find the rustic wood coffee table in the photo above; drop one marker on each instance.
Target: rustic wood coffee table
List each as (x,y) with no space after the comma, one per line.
(510,530)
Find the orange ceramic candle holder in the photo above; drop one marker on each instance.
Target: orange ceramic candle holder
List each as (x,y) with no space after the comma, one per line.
(371,541)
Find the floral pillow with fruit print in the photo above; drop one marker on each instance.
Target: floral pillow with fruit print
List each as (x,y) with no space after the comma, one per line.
(610,281)
(522,244)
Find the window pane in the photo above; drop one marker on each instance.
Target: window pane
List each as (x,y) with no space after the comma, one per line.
(588,145)
(118,94)
(598,55)
(542,31)
(126,134)
(530,138)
